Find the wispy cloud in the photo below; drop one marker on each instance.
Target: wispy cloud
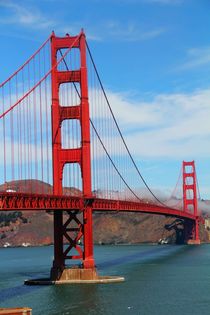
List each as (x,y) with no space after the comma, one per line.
(196,57)
(131,32)
(114,30)
(134,114)
(29,17)
(174,126)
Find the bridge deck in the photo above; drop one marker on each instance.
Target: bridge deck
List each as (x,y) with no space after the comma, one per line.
(23,201)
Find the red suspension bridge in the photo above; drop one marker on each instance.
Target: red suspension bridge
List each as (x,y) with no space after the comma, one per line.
(58,127)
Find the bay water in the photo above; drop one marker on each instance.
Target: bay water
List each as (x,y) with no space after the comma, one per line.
(160,280)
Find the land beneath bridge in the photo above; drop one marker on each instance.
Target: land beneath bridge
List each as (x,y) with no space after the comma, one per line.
(36,228)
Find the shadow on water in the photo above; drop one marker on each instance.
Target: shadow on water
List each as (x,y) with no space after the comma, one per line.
(157,252)
(20,290)
(10,293)
(141,256)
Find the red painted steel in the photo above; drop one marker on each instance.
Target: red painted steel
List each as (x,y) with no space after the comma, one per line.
(190,204)
(80,155)
(20,201)
(73,234)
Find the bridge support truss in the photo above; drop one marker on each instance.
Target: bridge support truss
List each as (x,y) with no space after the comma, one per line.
(78,225)
(191,227)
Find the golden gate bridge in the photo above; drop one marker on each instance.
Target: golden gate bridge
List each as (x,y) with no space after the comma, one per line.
(57,127)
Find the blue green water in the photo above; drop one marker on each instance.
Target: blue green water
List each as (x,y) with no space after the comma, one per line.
(159,280)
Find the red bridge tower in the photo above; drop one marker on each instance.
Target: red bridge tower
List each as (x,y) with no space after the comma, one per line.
(65,230)
(190,204)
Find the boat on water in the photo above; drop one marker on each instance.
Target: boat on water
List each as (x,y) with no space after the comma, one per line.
(7,244)
(163,241)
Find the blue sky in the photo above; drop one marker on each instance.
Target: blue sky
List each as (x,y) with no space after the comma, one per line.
(154,60)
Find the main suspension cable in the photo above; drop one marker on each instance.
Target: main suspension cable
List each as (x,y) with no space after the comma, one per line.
(118,128)
(107,153)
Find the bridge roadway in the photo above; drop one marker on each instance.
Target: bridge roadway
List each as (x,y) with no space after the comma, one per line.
(24,201)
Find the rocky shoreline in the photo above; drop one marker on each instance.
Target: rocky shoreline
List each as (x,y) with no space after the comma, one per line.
(109,228)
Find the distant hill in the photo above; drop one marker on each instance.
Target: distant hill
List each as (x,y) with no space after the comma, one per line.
(35,186)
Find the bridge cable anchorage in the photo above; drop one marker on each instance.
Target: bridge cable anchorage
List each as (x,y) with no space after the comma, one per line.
(106,151)
(118,128)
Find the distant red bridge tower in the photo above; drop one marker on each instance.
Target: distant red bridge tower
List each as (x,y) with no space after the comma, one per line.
(190,203)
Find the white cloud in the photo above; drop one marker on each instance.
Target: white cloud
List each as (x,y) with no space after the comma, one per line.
(196,57)
(174,126)
(31,16)
(18,14)
(114,29)
(131,32)
(129,114)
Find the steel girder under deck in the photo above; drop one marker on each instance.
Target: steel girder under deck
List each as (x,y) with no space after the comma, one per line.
(24,201)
